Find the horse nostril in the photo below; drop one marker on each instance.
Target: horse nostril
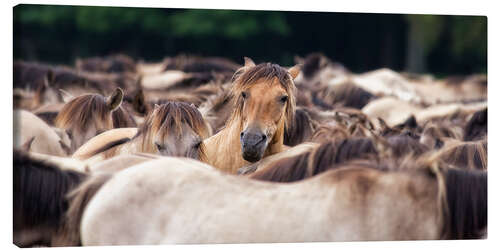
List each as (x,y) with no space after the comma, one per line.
(264,137)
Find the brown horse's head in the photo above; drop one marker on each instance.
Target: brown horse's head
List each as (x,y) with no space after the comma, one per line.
(174,129)
(88,115)
(265,103)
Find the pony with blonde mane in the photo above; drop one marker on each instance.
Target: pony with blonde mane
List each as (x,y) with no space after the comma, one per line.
(86,116)
(173,129)
(264,103)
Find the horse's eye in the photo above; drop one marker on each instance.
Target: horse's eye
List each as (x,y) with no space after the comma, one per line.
(284,98)
(244,95)
(197,145)
(158,146)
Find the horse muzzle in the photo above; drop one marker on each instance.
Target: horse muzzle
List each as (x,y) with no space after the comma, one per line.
(253,145)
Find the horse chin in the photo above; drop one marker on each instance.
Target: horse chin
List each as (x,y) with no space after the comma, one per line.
(252,157)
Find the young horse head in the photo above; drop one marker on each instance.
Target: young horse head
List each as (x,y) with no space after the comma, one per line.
(264,102)
(172,128)
(88,115)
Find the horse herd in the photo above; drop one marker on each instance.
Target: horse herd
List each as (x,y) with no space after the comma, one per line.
(192,149)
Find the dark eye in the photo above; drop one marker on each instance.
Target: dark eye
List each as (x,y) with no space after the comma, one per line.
(244,95)
(197,145)
(159,147)
(284,98)
(70,134)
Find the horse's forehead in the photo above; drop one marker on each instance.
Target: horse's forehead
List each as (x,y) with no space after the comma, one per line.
(185,133)
(264,87)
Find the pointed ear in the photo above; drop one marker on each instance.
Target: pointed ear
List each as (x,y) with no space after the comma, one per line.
(114,100)
(157,106)
(65,95)
(27,145)
(138,103)
(248,62)
(295,70)
(411,122)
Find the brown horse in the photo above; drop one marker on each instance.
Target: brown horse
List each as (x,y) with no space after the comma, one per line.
(88,115)
(39,200)
(264,102)
(346,204)
(173,129)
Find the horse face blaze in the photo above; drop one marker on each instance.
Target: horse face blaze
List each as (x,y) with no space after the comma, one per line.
(263,110)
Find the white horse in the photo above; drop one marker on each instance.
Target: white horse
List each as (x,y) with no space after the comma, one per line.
(176,200)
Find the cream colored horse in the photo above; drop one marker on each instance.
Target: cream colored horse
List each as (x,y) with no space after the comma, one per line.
(46,140)
(175,200)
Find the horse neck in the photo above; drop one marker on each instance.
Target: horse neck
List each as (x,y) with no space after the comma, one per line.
(224,149)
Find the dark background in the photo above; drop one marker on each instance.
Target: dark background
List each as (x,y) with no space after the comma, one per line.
(441,45)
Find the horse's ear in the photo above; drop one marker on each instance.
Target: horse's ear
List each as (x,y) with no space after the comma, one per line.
(248,62)
(295,70)
(138,103)
(157,106)
(65,95)
(27,145)
(411,122)
(115,99)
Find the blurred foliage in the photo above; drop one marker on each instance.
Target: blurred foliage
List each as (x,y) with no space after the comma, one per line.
(453,44)
(227,23)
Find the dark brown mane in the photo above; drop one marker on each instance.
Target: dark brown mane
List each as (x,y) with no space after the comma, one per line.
(169,117)
(329,131)
(346,95)
(467,200)
(312,64)
(477,127)
(285,170)
(301,129)
(245,78)
(403,145)
(39,192)
(82,110)
(327,156)
(340,151)
(467,155)
(110,64)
